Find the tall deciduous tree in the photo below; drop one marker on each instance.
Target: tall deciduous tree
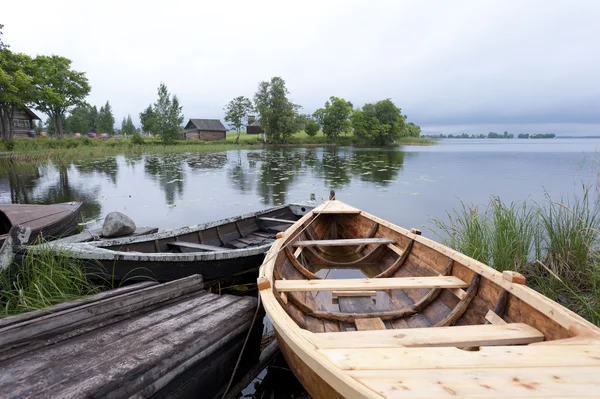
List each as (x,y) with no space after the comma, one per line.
(335,117)
(236,112)
(17,72)
(59,88)
(168,116)
(148,120)
(92,115)
(105,121)
(2,44)
(127,126)
(77,122)
(413,130)
(380,123)
(278,115)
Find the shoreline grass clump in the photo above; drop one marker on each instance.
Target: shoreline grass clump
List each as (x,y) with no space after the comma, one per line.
(554,244)
(43,279)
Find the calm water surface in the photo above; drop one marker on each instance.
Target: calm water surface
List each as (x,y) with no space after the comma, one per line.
(406,185)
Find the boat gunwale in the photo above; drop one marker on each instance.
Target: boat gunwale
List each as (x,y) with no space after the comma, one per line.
(307,350)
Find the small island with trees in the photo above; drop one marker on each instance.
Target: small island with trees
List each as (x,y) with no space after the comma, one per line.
(493,135)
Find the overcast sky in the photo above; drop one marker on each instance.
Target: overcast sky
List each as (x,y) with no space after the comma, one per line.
(450,65)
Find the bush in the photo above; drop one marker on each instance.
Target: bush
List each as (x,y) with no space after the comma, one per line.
(312,128)
(137,139)
(86,141)
(9,144)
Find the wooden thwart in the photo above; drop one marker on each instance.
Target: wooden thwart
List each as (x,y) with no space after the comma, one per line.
(265,219)
(492,318)
(343,242)
(458,336)
(368,284)
(373,323)
(193,245)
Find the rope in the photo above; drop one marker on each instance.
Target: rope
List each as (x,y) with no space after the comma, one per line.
(239,359)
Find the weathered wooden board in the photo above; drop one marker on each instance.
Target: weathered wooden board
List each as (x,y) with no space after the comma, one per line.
(193,245)
(342,242)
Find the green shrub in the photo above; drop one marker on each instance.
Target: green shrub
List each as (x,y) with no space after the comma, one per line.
(137,139)
(9,144)
(86,141)
(312,128)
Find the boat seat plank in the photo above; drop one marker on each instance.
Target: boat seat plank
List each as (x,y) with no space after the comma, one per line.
(373,323)
(266,219)
(193,245)
(369,284)
(343,242)
(493,318)
(553,382)
(454,358)
(458,336)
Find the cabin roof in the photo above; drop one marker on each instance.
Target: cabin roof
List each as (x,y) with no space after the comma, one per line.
(206,124)
(31,114)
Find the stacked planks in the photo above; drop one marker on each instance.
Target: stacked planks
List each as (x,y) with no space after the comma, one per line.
(171,339)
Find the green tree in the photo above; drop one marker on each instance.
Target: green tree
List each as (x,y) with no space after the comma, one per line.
(278,115)
(236,112)
(312,127)
(380,123)
(91,122)
(2,45)
(77,122)
(335,117)
(168,116)
(17,72)
(105,121)
(59,88)
(148,120)
(127,126)
(413,130)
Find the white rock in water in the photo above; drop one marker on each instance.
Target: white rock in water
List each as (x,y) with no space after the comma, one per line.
(117,224)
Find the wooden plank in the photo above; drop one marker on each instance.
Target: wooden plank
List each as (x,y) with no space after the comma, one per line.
(458,292)
(335,206)
(343,242)
(192,245)
(458,336)
(17,236)
(265,219)
(577,382)
(353,293)
(369,284)
(454,358)
(373,323)
(493,318)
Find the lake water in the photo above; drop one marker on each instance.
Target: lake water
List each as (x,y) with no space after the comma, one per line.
(406,185)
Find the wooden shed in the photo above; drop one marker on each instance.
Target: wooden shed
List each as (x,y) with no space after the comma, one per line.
(204,129)
(253,126)
(23,121)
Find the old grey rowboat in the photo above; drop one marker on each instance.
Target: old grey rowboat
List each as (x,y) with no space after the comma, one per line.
(215,250)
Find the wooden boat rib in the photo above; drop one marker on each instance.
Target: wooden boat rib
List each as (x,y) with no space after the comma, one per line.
(49,221)
(442,325)
(215,250)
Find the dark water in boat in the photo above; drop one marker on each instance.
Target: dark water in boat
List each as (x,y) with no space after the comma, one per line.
(405,185)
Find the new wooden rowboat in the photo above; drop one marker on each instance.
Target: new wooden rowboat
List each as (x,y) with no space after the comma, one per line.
(48,221)
(215,250)
(364,308)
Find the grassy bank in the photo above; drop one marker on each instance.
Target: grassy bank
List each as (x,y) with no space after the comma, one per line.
(555,244)
(43,149)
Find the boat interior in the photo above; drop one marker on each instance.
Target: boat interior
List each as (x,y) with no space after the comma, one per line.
(347,272)
(234,233)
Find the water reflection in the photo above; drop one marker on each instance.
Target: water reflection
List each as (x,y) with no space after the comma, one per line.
(167,171)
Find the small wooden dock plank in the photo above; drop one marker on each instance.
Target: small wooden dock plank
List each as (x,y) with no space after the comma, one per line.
(458,336)
(454,358)
(343,242)
(369,284)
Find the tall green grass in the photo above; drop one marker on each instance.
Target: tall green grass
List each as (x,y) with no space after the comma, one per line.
(553,243)
(43,280)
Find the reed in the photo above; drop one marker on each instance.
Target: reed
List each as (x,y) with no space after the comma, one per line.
(554,243)
(42,280)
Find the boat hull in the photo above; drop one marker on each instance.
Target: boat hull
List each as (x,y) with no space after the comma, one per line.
(316,386)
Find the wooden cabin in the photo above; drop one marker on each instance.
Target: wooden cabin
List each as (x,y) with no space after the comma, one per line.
(23,121)
(205,129)
(253,126)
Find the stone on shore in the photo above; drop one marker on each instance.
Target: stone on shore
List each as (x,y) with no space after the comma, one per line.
(117,224)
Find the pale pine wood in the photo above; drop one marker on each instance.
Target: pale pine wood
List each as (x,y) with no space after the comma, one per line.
(576,382)
(342,242)
(297,252)
(367,284)
(335,206)
(373,323)
(513,277)
(396,249)
(458,336)
(487,356)
(458,292)
(493,318)
(353,293)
